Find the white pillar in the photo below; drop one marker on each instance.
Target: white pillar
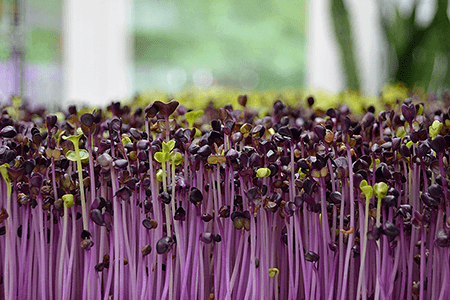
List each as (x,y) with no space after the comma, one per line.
(369,44)
(97,51)
(325,70)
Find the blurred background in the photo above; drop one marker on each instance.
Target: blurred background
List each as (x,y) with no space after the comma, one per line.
(95,51)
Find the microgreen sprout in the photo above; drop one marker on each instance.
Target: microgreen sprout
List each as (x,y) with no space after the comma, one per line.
(75,139)
(293,203)
(435,128)
(192,116)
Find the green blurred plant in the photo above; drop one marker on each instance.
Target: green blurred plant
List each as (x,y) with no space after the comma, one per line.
(343,32)
(421,51)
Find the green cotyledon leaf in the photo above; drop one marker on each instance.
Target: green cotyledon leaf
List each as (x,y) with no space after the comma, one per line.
(84,155)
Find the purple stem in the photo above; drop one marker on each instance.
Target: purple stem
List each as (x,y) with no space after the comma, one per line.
(352,222)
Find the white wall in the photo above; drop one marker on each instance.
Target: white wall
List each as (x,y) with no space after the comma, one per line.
(325,70)
(97,51)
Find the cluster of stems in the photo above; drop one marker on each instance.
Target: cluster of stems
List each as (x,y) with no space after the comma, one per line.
(166,203)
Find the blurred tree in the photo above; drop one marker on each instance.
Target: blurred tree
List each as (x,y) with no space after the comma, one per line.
(422,52)
(419,54)
(238,41)
(343,32)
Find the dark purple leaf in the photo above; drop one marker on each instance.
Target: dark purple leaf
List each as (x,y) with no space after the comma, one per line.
(85,234)
(442,239)
(121,163)
(312,256)
(308,186)
(258,131)
(165,197)
(180,214)
(345,124)
(429,200)
(36,180)
(438,144)
(405,151)
(166,109)
(204,151)
(390,230)
(206,237)
(409,112)
(196,196)
(149,223)
(389,201)
(8,132)
(164,245)
(151,110)
(146,250)
(217,238)
(237,137)
(51,120)
(436,191)
(320,131)
(124,193)
(251,193)
(87,119)
(335,197)
(285,132)
(242,100)
(97,217)
(224,211)
(206,217)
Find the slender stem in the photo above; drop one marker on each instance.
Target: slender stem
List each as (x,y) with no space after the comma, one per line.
(42,237)
(118,260)
(361,277)
(81,183)
(62,252)
(352,222)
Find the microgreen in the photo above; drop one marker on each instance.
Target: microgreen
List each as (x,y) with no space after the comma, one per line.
(68,200)
(435,128)
(75,139)
(263,172)
(298,202)
(192,116)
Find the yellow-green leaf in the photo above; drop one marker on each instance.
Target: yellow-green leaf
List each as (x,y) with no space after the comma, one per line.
(176,158)
(380,189)
(216,159)
(263,172)
(126,140)
(324,172)
(362,184)
(84,155)
(273,272)
(159,175)
(435,128)
(68,200)
(160,157)
(4,172)
(368,191)
(75,139)
(192,116)
(167,147)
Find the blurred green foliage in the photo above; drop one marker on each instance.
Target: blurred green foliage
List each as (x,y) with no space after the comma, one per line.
(43,46)
(228,37)
(422,51)
(262,101)
(419,54)
(39,29)
(343,32)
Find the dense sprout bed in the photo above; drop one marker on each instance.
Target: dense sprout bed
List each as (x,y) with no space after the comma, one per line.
(166,203)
